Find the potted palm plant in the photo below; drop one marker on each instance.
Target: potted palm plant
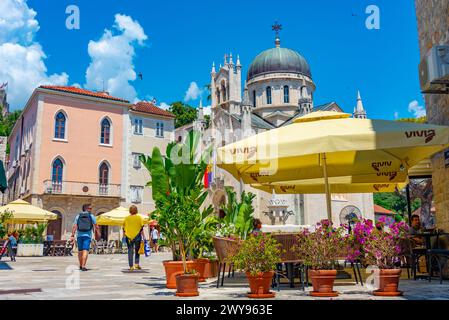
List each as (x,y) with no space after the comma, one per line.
(257,256)
(178,191)
(319,250)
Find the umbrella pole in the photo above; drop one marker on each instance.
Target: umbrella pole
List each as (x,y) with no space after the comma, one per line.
(327,188)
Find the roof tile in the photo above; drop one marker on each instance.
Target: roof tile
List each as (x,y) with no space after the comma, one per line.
(84,92)
(148,107)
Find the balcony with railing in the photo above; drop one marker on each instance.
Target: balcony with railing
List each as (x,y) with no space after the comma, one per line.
(82,188)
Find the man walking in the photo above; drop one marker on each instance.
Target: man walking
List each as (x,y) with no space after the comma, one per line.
(154,238)
(84,224)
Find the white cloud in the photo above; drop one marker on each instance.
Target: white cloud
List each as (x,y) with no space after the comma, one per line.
(193,92)
(112,58)
(164,106)
(17,22)
(417,110)
(21,58)
(207,110)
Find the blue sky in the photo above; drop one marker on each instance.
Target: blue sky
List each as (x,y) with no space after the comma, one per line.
(179,40)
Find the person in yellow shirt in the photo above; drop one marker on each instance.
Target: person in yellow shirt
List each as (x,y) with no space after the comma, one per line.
(133,227)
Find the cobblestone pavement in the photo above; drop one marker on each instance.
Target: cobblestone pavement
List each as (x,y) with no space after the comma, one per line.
(46,278)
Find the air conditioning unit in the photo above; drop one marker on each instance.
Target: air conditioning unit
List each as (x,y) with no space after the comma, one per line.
(434,70)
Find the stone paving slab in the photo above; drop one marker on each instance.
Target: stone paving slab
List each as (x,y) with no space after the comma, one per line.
(108,279)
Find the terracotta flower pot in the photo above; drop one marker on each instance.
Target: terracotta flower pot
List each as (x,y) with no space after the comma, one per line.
(260,285)
(172,269)
(187,285)
(199,265)
(388,283)
(211,269)
(323,283)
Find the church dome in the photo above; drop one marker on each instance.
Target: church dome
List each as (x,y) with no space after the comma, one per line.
(278,60)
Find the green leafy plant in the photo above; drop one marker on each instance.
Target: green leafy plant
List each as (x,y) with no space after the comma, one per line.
(178,191)
(203,246)
(33,234)
(321,248)
(4,216)
(238,214)
(257,254)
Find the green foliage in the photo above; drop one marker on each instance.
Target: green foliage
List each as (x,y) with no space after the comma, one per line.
(178,191)
(239,214)
(415,120)
(4,216)
(203,244)
(257,254)
(396,202)
(33,233)
(184,113)
(7,123)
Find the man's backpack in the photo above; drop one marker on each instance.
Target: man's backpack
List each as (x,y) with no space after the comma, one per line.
(85,222)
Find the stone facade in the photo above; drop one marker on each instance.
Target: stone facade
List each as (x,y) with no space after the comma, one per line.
(433,29)
(278,89)
(151,135)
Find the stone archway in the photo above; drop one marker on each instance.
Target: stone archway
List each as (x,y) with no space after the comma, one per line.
(54,227)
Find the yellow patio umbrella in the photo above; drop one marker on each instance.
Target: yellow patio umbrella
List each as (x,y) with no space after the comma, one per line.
(116,217)
(25,213)
(283,188)
(331,144)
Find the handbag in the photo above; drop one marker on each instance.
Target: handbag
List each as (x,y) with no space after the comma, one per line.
(142,248)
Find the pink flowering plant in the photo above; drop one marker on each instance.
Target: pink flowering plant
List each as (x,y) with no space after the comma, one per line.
(321,248)
(256,254)
(378,245)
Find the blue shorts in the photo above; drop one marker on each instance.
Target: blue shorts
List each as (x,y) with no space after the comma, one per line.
(83,243)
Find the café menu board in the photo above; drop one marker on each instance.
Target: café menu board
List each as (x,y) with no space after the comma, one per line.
(446,158)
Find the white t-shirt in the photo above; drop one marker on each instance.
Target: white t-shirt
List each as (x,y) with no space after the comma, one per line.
(154,234)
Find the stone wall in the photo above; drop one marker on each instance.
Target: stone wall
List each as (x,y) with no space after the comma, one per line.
(433,29)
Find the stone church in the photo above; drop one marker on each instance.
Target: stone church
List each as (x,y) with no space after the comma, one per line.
(278,88)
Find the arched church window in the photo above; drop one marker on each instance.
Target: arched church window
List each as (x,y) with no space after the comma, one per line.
(254,98)
(286,94)
(268,90)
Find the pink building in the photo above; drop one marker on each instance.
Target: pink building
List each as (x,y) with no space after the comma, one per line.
(67,149)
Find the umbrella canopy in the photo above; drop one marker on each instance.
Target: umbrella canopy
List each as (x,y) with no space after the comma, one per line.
(117,217)
(292,188)
(352,147)
(330,144)
(25,213)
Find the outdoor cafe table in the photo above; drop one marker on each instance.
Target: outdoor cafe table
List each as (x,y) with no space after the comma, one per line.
(55,248)
(427,237)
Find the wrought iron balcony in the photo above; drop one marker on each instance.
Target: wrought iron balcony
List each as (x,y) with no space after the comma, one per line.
(81,188)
